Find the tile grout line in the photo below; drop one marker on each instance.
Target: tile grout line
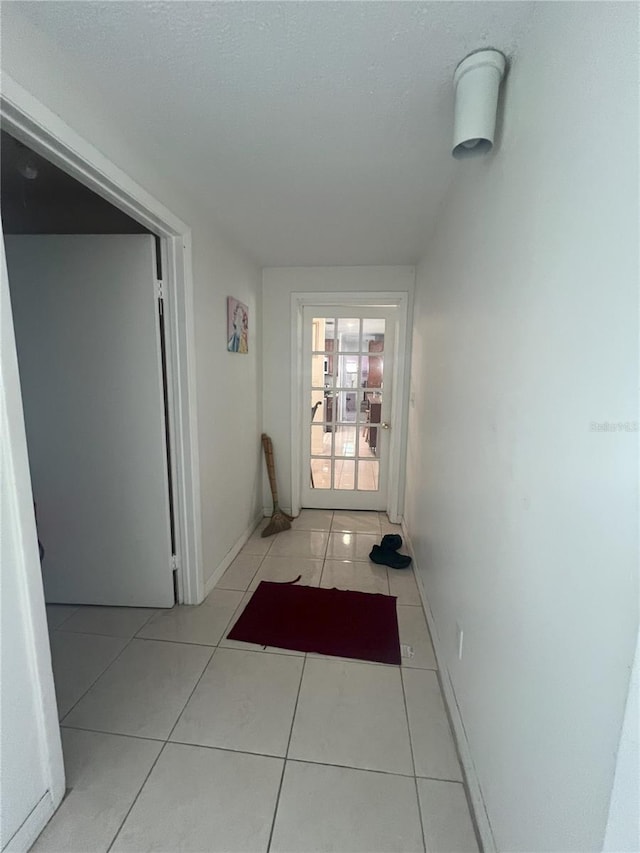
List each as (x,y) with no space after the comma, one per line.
(286,755)
(413,759)
(263,755)
(178,642)
(324,557)
(357,769)
(230,589)
(162,748)
(257,649)
(195,687)
(63,630)
(135,799)
(406,716)
(155,613)
(66,619)
(263,557)
(112,734)
(96,679)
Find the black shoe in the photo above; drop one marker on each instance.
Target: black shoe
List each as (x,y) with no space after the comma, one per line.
(391,541)
(387,557)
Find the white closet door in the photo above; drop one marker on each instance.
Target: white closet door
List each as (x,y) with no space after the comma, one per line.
(86,322)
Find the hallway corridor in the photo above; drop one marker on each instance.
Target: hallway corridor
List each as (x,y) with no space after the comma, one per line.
(177,739)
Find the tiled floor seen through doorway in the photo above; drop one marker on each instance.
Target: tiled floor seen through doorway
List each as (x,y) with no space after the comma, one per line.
(176,739)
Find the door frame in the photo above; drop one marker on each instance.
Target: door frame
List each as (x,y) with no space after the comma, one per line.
(400,300)
(34,124)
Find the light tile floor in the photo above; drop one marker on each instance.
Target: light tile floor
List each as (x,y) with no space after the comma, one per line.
(177,739)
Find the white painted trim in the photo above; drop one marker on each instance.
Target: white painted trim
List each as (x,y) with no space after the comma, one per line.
(400,413)
(457,723)
(402,301)
(15,468)
(230,556)
(38,818)
(297,325)
(38,127)
(180,329)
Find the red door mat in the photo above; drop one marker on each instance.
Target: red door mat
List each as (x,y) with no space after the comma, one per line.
(339,622)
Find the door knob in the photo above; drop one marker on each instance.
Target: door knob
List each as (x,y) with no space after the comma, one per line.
(385,426)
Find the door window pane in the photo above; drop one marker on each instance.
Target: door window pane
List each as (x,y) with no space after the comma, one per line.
(318,411)
(372,369)
(321,371)
(323,335)
(374,402)
(373,334)
(320,473)
(329,335)
(348,335)
(345,440)
(348,366)
(345,474)
(368,476)
(347,406)
(320,441)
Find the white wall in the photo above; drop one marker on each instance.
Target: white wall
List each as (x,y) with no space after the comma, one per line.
(524,520)
(278,283)
(228,386)
(229,399)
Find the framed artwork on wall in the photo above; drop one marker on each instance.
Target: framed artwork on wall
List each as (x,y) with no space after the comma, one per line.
(237,326)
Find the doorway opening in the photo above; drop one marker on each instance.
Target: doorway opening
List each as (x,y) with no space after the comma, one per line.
(88,314)
(349,377)
(349,401)
(28,121)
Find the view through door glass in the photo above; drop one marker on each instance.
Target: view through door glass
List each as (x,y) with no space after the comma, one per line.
(347,395)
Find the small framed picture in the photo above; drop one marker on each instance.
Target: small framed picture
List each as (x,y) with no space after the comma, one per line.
(237,326)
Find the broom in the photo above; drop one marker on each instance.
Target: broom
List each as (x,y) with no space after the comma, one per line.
(279,520)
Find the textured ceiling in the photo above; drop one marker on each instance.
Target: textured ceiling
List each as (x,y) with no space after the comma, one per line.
(318,132)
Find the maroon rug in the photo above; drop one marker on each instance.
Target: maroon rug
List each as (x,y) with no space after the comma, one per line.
(339,622)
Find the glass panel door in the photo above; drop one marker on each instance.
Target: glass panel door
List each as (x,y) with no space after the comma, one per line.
(347,357)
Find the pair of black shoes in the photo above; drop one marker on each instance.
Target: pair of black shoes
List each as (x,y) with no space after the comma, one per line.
(386,553)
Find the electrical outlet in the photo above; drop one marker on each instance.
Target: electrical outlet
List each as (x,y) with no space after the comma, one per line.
(460,639)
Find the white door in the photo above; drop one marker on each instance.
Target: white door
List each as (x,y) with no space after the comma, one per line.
(347,396)
(85,314)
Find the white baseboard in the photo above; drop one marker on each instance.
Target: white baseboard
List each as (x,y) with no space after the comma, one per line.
(230,556)
(267,511)
(38,818)
(464,750)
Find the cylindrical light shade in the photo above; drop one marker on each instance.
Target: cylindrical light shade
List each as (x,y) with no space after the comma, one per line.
(477,82)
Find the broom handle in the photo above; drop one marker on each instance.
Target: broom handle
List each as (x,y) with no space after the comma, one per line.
(267,446)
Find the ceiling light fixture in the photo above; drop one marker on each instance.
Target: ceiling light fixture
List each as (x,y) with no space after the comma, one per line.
(477,83)
(26,163)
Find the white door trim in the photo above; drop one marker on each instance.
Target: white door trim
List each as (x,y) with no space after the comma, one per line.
(400,401)
(31,122)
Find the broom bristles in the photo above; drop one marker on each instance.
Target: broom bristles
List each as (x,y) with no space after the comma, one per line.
(279,521)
